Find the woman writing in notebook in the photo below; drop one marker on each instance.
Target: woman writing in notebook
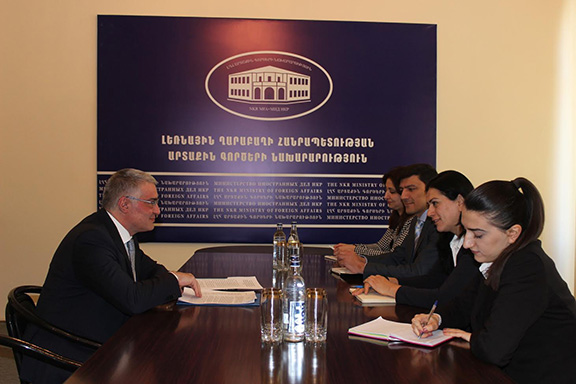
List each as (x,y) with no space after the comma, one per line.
(523,316)
(445,196)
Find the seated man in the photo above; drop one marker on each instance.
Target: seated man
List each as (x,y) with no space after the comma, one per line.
(99,276)
(418,254)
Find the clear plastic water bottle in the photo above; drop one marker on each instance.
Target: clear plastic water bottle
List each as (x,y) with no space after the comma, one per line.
(279,259)
(278,279)
(294,246)
(294,231)
(294,316)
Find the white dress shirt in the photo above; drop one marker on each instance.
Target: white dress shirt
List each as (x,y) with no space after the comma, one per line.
(124,234)
(455,245)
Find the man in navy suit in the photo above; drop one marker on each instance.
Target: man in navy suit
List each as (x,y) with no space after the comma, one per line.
(418,254)
(99,276)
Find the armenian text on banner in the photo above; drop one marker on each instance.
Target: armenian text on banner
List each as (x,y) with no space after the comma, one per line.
(247,123)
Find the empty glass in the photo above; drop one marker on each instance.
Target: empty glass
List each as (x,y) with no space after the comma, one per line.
(271,315)
(316,315)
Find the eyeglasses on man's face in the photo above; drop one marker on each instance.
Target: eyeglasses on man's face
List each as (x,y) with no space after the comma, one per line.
(152,202)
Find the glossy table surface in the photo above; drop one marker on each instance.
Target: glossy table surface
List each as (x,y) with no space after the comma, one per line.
(193,344)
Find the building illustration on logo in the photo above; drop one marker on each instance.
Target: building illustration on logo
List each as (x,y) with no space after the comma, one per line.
(269,85)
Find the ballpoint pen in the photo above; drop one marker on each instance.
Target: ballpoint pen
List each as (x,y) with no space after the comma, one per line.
(429,316)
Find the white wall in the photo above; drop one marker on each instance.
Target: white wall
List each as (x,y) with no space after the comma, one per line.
(502,80)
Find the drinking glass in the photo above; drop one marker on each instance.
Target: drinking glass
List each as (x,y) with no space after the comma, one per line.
(271,315)
(316,315)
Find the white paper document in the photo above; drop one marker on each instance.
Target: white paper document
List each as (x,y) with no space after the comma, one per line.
(218,297)
(235,290)
(230,283)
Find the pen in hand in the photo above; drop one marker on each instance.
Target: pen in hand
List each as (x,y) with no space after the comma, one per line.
(429,317)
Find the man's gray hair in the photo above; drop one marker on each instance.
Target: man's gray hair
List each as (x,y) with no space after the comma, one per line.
(123,183)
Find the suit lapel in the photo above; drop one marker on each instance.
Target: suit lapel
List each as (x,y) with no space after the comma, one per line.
(117,240)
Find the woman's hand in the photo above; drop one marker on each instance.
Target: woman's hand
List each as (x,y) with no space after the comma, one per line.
(424,328)
(457,333)
(382,285)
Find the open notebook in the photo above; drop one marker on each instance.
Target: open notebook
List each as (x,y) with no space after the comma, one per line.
(393,331)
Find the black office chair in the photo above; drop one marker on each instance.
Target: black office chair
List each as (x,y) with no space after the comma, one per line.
(21,311)
(26,348)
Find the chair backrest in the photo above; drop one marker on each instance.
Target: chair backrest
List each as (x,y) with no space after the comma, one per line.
(21,306)
(21,311)
(23,347)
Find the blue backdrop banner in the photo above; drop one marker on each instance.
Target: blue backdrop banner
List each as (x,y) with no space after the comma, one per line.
(246,123)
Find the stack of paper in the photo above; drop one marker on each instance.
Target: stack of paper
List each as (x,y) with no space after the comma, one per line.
(342,271)
(346,275)
(374,298)
(238,290)
(392,331)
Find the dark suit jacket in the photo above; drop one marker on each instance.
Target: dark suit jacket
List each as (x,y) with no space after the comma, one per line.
(408,259)
(90,291)
(464,276)
(528,326)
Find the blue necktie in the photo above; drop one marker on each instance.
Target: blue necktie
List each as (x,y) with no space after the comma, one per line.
(132,257)
(418,230)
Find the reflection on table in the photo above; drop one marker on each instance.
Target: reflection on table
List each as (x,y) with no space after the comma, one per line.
(186,344)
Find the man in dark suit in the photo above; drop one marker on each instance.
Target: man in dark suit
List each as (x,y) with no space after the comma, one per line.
(418,254)
(99,276)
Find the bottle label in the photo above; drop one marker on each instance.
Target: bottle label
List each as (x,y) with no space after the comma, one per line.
(296,317)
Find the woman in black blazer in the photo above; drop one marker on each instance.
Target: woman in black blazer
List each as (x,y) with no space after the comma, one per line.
(523,316)
(445,195)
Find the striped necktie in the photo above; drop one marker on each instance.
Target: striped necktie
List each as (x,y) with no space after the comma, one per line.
(418,230)
(132,257)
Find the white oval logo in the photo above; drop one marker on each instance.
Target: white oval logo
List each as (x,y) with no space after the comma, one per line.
(269,85)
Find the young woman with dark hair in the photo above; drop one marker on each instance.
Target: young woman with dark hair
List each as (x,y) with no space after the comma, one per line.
(391,182)
(398,224)
(445,196)
(523,315)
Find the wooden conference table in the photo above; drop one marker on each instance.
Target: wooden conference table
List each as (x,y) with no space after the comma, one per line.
(193,344)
